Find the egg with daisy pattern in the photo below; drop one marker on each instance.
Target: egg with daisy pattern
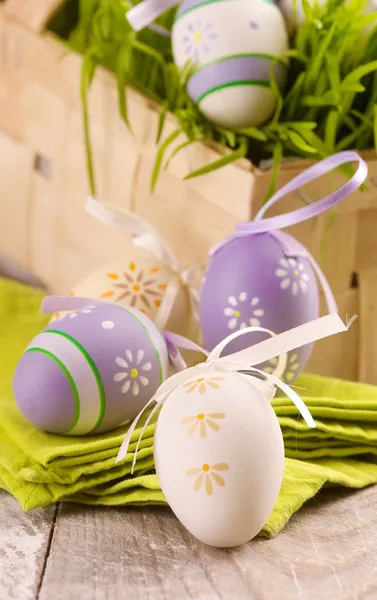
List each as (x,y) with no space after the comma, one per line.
(258,281)
(219,454)
(232,47)
(90,370)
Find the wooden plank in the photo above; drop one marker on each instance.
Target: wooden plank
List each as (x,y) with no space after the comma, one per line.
(368,326)
(16,165)
(188,220)
(337,356)
(327,551)
(230,188)
(24,544)
(33,15)
(366,247)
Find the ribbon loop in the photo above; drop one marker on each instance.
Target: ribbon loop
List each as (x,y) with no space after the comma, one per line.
(148,238)
(282,358)
(145,236)
(316,208)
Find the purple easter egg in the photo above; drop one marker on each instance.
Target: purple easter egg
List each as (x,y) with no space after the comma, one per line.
(252,281)
(91,370)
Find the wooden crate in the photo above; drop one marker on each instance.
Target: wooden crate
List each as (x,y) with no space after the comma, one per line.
(43,186)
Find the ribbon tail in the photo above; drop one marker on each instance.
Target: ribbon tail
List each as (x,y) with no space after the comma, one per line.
(297,401)
(194,302)
(174,342)
(290,340)
(181,342)
(126,442)
(167,304)
(150,417)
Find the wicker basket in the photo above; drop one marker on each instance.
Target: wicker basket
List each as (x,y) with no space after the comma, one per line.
(43,185)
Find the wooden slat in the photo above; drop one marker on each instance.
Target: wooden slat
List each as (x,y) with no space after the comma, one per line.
(188,220)
(16,166)
(366,249)
(33,15)
(368,326)
(327,551)
(24,544)
(338,356)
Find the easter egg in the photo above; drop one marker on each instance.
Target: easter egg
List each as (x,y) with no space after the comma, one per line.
(251,281)
(231,45)
(141,281)
(219,455)
(90,370)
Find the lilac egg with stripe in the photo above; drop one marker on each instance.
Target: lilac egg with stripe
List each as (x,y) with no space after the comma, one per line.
(90,370)
(253,281)
(232,46)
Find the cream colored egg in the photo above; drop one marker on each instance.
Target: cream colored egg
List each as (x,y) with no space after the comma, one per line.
(140,281)
(219,455)
(232,46)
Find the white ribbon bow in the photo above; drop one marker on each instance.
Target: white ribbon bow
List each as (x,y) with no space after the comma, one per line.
(146,237)
(244,361)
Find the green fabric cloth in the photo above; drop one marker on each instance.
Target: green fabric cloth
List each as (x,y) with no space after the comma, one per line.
(40,468)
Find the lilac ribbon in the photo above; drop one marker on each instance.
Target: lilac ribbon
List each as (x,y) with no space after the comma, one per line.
(143,14)
(316,208)
(273,225)
(174,343)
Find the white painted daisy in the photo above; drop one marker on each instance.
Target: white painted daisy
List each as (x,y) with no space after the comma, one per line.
(271,366)
(72,315)
(292,275)
(242,312)
(133,373)
(292,367)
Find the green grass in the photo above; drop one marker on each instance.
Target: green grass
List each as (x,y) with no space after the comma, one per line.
(329,103)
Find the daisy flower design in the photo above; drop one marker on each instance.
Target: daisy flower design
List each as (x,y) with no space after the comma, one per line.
(292,367)
(75,313)
(84,311)
(242,313)
(271,366)
(198,39)
(292,275)
(201,384)
(208,475)
(201,422)
(134,371)
(137,287)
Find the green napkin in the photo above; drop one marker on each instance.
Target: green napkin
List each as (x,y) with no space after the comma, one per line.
(40,468)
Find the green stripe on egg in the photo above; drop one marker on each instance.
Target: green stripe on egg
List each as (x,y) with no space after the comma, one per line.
(72,357)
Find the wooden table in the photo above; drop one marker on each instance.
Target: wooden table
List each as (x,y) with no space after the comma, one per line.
(327,552)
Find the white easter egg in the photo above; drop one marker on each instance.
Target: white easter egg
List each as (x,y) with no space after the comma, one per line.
(232,45)
(219,455)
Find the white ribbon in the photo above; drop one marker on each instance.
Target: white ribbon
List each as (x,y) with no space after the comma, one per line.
(244,361)
(144,236)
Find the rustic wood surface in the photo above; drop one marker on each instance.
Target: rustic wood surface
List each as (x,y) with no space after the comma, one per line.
(327,552)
